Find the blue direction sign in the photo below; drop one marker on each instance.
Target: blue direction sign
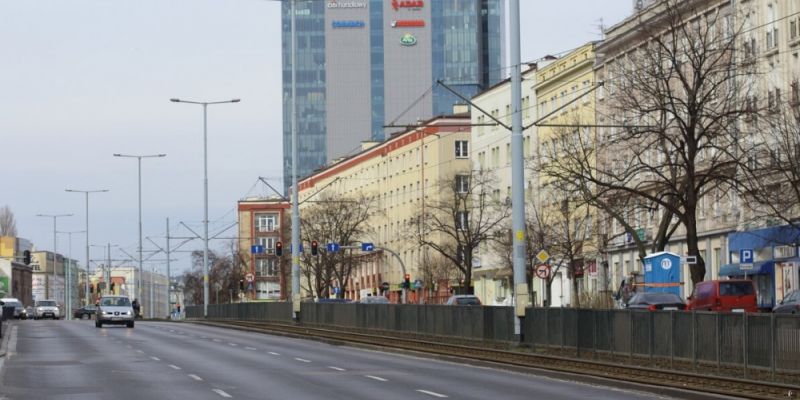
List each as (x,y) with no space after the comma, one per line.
(367,247)
(746,256)
(256,249)
(332,247)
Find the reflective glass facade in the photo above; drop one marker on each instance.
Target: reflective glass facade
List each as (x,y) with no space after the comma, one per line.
(376,58)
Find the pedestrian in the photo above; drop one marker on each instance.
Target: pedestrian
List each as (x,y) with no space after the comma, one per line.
(136,308)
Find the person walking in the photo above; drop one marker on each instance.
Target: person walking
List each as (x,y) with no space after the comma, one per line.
(136,308)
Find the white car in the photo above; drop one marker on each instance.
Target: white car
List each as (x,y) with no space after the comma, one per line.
(46,309)
(114,310)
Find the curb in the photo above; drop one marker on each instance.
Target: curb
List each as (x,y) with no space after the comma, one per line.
(6,336)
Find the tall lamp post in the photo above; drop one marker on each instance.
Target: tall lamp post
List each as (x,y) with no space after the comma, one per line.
(68,276)
(55,244)
(139,158)
(205,105)
(87,192)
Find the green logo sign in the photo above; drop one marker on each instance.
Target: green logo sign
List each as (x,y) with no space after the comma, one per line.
(408,40)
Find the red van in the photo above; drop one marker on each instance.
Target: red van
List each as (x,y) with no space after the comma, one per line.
(735,295)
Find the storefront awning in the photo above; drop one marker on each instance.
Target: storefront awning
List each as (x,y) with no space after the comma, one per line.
(759,268)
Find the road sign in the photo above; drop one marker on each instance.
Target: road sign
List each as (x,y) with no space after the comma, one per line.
(543,256)
(249,277)
(332,247)
(746,256)
(691,260)
(746,267)
(337,289)
(385,286)
(543,271)
(367,247)
(256,249)
(418,284)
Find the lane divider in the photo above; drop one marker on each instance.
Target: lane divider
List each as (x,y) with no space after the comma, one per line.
(377,378)
(221,393)
(434,394)
(195,377)
(302,360)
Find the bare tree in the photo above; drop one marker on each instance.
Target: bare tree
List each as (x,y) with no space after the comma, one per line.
(8,225)
(460,219)
(676,96)
(334,219)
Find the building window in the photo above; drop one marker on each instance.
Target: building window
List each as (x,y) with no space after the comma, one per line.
(462,183)
(266,222)
(268,243)
(462,149)
(462,220)
(267,267)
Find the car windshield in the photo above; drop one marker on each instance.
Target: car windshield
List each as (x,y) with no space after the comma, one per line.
(12,304)
(468,301)
(116,302)
(46,303)
(661,298)
(735,288)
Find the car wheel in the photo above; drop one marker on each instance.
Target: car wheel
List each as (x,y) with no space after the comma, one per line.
(130,324)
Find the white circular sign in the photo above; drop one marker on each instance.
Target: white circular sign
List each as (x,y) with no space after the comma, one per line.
(249,277)
(666,263)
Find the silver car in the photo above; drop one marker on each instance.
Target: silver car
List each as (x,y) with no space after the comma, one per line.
(46,309)
(115,310)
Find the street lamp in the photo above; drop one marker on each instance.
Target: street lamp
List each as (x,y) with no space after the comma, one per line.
(86,192)
(68,277)
(139,160)
(55,241)
(205,105)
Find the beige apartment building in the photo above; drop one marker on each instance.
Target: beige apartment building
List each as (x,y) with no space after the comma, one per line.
(399,174)
(768,45)
(264,222)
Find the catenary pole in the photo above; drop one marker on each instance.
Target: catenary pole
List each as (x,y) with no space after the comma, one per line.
(295,190)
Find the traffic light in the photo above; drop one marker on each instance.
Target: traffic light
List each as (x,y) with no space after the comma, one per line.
(26,257)
(241,284)
(112,287)
(407,281)
(314,248)
(279,249)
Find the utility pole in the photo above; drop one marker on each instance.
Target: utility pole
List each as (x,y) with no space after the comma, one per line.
(169,278)
(517,173)
(295,190)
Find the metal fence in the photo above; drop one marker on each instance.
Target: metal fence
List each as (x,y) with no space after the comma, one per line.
(256,311)
(469,322)
(759,345)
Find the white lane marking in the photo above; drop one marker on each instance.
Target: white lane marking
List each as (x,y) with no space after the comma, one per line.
(174,366)
(337,369)
(274,353)
(302,360)
(195,377)
(250,348)
(155,358)
(434,394)
(221,393)
(139,351)
(232,344)
(377,378)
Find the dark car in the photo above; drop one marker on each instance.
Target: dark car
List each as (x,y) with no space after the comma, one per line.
(19,310)
(654,301)
(790,304)
(85,312)
(463,300)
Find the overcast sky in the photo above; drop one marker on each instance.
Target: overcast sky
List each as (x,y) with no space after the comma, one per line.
(83,79)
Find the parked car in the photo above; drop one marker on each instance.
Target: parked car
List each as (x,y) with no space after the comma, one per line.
(46,309)
(790,304)
(374,300)
(463,300)
(19,309)
(115,310)
(333,300)
(735,295)
(656,301)
(85,312)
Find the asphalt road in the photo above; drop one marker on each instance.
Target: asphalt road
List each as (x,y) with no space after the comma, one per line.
(162,360)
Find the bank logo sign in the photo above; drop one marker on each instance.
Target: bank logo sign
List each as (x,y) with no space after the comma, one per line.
(346,4)
(408,40)
(348,24)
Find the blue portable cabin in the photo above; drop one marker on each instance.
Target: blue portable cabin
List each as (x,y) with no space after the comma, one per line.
(662,273)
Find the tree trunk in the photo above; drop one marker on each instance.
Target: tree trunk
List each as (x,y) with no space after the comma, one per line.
(576,302)
(698,270)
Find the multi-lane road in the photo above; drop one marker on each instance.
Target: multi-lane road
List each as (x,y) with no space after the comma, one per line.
(162,360)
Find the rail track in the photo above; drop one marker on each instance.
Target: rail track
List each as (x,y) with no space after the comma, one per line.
(728,386)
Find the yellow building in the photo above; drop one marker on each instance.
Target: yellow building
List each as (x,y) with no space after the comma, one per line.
(566,113)
(400,174)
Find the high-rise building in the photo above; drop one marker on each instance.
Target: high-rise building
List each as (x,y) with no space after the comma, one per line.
(364,64)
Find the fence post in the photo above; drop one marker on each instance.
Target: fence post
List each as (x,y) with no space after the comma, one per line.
(744,343)
(694,340)
(577,313)
(672,340)
(630,336)
(563,329)
(610,331)
(773,341)
(594,334)
(719,343)
(546,337)
(651,342)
